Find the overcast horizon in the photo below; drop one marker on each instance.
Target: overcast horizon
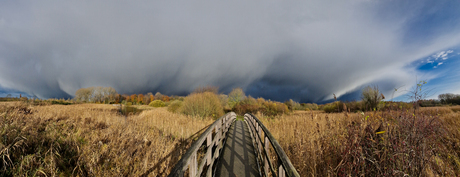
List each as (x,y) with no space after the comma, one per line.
(301,50)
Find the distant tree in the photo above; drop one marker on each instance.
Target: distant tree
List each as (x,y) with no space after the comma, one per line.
(133,98)
(449,98)
(235,96)
(223,100)
(371,97)
(147,97)
(110,94)
(84,95)
(117,98)
(158,96)
(79,95)
(165,98)
(152,98)
(212,89)
(140,98)
(8,96)
(127,98)
(98,94)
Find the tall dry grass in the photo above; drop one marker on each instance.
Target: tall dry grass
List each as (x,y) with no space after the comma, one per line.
(92,140)
(386,143)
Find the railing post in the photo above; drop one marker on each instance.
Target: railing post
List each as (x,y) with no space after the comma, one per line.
(208,143)
(282,173)
(267,148)
(260,140)
(193,165)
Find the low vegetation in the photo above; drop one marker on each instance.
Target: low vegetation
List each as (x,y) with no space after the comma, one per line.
(91,140)
(377,143)
(205,104)
(157,103)
(371,137)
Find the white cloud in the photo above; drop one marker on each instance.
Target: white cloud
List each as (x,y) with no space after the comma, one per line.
(442,55)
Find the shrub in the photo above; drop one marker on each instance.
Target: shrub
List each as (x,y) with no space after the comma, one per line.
(273,108)
(174,105)
(292,105)
(157,103)
(371,97)
(310,106)
(242,109)
(330,107)
(203,105)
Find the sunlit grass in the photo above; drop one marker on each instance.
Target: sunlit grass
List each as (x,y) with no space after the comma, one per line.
(92,140)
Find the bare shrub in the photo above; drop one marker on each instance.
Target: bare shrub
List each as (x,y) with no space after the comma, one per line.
(371,97)
(235,96)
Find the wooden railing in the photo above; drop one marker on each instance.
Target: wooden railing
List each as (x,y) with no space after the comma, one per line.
(214,137)
(263,139)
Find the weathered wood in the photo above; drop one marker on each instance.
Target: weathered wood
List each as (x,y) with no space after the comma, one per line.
(208,143)
(238,157)
(189,159)
(267,150)
(261,138)
(282,173)
(286,164)
(193,165)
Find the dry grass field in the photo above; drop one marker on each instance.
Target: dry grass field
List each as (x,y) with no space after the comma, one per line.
(388,143)
(96,140)
(92,140)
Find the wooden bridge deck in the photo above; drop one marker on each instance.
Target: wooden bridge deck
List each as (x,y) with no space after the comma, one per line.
(238,157)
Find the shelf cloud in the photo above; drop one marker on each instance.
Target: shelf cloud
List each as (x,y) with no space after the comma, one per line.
(304,50)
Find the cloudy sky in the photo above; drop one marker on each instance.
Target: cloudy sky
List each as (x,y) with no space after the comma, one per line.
(304,50)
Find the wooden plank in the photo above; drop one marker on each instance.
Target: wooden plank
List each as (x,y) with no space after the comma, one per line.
(186,161)
(238,157)
(282,173)
(288,167)
(193,166)
(267,153)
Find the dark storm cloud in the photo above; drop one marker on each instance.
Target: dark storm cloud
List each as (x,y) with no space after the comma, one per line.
(304,50)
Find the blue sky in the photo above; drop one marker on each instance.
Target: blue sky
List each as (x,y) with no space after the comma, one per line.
(441,71)
(301,50)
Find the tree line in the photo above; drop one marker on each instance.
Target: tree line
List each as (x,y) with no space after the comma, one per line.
(109,95)
(449,98)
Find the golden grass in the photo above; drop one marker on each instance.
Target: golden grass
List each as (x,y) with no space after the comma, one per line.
(455,108)
(318,143)
(94,140)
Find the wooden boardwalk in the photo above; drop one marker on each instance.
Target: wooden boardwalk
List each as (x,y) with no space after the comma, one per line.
(238,157)
(226,148)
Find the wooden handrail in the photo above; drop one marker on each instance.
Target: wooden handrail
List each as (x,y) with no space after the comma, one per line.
(257,128)
(189,160)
